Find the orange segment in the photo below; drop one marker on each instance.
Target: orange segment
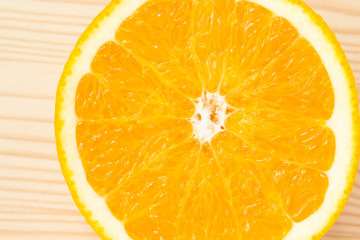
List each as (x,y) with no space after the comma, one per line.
(296,81)
(285,136)
(259,37)
(265,221)
(112,150)
(260,181)
(158,34)
(143,95)
(254,197)
(231,150)
(149,202)
(302,190)
(211,40)
(210,215)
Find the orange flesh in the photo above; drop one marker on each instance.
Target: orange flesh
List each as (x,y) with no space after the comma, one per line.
(264,172)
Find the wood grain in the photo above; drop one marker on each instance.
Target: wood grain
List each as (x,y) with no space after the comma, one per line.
(36,37)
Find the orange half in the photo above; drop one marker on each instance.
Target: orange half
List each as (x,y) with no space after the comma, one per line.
(208,120)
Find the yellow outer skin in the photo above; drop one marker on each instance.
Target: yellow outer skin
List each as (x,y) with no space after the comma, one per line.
(316,19)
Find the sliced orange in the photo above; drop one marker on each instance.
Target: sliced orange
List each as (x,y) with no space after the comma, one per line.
(205,119)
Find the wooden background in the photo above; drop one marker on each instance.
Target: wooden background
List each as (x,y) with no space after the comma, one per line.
(36,37)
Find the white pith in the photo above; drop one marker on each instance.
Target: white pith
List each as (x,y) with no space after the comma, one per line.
(210,115)
(341,120)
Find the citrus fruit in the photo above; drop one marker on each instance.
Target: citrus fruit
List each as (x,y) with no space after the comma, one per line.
(205,119)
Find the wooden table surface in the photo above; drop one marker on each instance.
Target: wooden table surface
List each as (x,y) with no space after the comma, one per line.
(36,37)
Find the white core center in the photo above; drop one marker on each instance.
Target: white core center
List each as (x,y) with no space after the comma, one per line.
(210,114)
